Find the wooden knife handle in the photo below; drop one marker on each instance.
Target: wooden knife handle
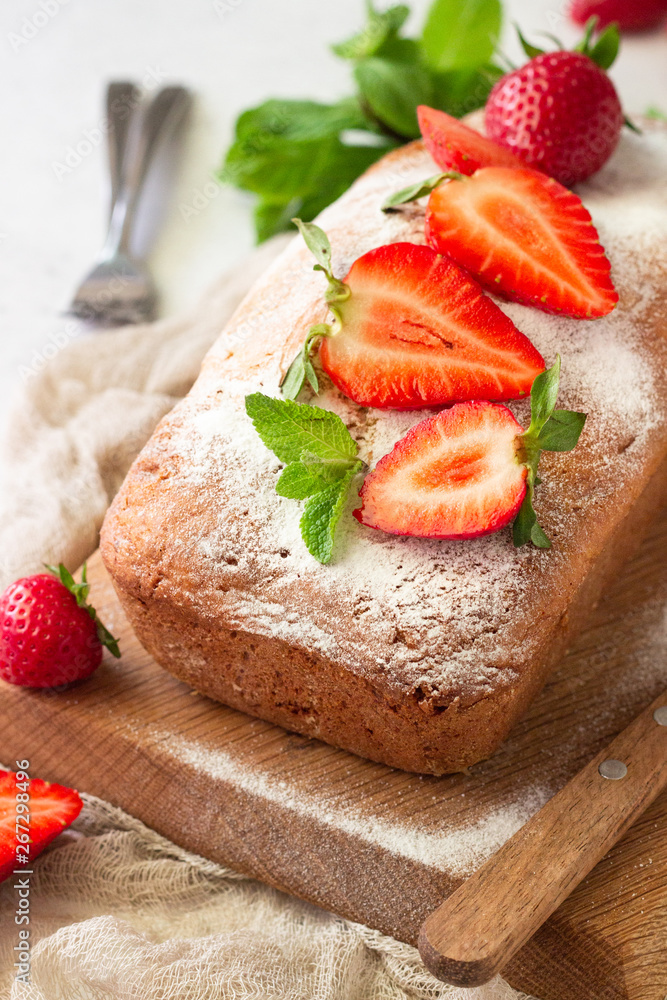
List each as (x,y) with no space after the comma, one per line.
(476,931)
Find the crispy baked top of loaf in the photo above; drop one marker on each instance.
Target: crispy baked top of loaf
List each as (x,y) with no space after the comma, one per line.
(198,522)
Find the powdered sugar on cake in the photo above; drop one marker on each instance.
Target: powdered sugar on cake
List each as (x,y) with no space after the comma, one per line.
(435,617)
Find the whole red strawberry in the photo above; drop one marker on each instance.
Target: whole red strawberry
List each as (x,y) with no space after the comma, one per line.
(637,15)
(560,112)
(49,634)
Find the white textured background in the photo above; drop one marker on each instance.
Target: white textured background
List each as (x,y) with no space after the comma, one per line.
(232,53)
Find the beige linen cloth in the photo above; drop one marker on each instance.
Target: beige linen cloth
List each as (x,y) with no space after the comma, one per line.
(118,912)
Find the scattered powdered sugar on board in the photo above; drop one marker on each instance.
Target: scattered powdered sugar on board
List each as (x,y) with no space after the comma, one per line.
(458,851)
(444,618)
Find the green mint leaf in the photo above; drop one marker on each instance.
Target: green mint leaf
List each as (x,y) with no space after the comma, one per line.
(562,430)
(461,35)
(299,156)
(405,50)
(298,481)
(419,190)
(530,50)
(392,90)
(321,515)
(317,242)
(460,91)
(631,125)
(273,217)
(606,47)
(289,429)
(655,114)
(380,28)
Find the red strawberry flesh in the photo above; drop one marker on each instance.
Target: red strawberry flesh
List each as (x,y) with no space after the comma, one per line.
(51,808)
(417,331)
(526,237)
(454,475)
(455,146)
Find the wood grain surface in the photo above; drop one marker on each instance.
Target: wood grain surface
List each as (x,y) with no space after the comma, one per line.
(471,937)
(381,846)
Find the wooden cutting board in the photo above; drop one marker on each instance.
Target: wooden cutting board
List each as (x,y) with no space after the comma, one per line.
(381,846)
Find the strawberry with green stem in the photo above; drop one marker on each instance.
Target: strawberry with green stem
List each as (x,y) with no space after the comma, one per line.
(560,112)
(49,634)
(410,330)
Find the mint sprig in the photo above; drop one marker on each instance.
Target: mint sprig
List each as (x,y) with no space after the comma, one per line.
(80,592)
(297,156)
(382,28)
(301,369)
(550,430)
(321,459)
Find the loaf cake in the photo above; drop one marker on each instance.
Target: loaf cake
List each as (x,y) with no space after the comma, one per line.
(417,653)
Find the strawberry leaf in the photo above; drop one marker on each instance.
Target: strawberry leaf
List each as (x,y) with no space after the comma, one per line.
(317,242)
(561,431)
(530,50)
(606,47)
(337,291)
(80,592)
(526,527)
(550,430)
(543,396)
(419,190)
(584,45)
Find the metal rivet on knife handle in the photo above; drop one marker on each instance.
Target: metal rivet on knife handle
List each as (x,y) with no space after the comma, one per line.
(613,769)
(660,716)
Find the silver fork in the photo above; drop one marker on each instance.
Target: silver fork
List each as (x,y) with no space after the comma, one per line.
(119,288)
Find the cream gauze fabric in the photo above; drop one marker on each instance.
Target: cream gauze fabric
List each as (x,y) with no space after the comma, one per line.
(117,912)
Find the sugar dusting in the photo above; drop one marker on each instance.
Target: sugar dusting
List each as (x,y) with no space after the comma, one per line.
(458,851)
(434,617)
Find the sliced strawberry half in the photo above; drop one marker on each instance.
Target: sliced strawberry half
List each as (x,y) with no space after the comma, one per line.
(525,236)
(50,808)
(415,330)
(454,475)
(455,146)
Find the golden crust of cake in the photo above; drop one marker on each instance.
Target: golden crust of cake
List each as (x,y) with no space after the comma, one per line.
(417,653)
